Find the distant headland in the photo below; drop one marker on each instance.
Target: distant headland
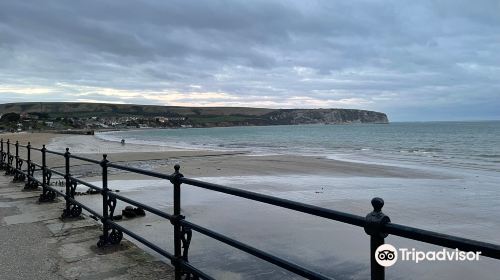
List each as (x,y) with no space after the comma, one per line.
(69,115)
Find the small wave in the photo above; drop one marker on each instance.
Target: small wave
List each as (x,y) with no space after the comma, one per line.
(421,150)
(362,149)
(489,156)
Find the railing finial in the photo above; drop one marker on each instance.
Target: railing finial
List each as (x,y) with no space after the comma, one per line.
(376,220)
(377,204)
(177,167)
(374,227)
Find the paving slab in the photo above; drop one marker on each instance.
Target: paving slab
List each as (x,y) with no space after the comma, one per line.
(27,218)
(20,194)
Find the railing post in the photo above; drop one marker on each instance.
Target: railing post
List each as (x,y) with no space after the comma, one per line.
(16,170)
(176,181)
(28,147)
(108,208)
(72,209)
(67,175)
(29,184)
(104,165)
(44,166)
(17,154)
(9,163)
(45,180)
(2,158)
(47,194)
(374,226)
(18,176)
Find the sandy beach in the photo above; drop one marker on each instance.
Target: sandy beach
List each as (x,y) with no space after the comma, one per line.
(205,163)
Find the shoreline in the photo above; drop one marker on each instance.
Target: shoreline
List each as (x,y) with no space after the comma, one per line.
(210,163)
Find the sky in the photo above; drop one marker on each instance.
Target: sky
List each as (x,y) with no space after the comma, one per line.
(414,60)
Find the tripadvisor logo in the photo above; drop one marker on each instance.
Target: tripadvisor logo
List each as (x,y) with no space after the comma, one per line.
(387,255)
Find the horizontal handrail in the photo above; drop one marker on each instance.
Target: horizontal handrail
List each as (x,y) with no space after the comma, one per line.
(56,172)
(445,240)
(55,153)
(140,171)
(85,159)
(57,191)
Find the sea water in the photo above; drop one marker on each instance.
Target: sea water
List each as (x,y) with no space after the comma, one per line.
(471,145)
(466,202)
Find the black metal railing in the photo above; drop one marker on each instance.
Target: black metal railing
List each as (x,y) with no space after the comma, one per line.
(376,224)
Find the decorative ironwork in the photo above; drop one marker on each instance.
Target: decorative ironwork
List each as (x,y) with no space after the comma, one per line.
(3,157)
(74,210)
(114,237)
(72,188)
(111,207)
(48,175)
(186,235)
(31,184)
(31,169)
(111,236)
(47,195)
(18,175)
(9,169)
(21,176)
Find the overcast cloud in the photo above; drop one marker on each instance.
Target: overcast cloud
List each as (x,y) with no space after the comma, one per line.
(415,60)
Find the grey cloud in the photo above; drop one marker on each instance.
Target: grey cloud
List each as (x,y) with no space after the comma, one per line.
(399,57)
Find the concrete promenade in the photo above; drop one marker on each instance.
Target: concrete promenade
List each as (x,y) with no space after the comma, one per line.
(37,244)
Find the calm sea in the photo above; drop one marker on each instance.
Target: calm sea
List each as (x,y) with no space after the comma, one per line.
(471,145)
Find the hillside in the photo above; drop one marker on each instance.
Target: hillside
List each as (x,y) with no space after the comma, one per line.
(94,115)
(104,109)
